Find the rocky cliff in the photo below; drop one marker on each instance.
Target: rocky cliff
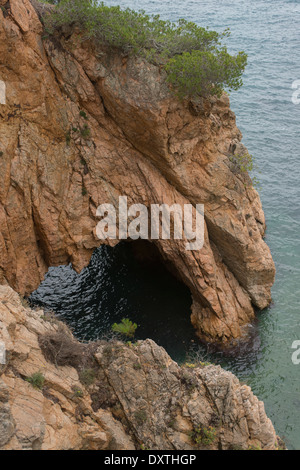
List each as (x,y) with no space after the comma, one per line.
(80,127)
(56,393)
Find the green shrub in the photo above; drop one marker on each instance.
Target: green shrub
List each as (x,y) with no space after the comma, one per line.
(85,131)
(244,162)
(83,114)
(137,366)
(204,436)
(125,328)
(205,72)
(37,380)
(255,447)
(194,58)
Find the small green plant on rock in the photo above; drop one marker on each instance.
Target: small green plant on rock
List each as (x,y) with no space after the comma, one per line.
(204,436)
(254,447)
(85,131)
(37,380)
(190,365)
(83,114)
(126,328)
(143,447)
(87,376)
(78,393)
(140,416)
(244,162)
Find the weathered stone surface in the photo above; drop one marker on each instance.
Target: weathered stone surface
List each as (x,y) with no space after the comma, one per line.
(139,398)
(47,419)
(144,144)
(7,425)
(165,404)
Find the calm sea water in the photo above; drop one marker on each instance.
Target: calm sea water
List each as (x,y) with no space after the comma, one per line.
(116,285)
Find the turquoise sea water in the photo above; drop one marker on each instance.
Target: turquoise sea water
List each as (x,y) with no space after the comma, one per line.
(269,31)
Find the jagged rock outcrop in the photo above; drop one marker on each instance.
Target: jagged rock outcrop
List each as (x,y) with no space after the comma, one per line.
(134,139)
(119,396)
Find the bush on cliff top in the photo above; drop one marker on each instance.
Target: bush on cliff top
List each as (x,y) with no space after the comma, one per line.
(194,58)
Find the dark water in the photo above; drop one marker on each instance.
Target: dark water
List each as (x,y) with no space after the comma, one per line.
(116,285)
(269,31)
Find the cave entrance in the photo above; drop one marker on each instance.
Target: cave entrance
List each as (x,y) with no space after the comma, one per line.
(128,281)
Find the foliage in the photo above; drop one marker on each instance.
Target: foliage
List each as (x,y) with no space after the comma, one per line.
(85,131)
(244,162)
(204,436)
(255,447)
(194,58)
(37,380)
(126,328)
(78,393)
(52,2)
(205,72)
(83,114)
(195,365)
(87,376)
(140,416)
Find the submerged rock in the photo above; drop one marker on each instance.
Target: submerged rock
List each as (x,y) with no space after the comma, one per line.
(119,397)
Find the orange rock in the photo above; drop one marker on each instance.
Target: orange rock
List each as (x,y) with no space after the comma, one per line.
(144,144)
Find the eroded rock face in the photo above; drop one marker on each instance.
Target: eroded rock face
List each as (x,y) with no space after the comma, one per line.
(58,164)
(57,416)
(134,397)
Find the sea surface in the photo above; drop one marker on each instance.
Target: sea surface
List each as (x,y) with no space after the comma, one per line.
(116,285)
